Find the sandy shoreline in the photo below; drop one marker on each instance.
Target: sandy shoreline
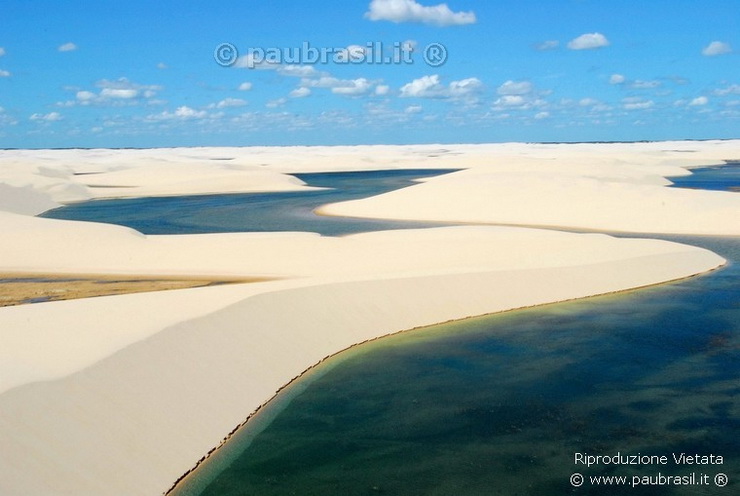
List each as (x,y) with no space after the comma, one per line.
(85,383)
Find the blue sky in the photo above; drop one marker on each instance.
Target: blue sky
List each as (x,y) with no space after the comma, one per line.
(143,74)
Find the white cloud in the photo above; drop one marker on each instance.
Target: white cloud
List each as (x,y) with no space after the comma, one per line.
(50,117)
(346,87)
(542,115)
(377,109)
(382,89)
(161,66)
(230,102)
(145,90)
(122,93)
(592,105)
(322,82)
(588,41)
(186,112)
(465,87)
(431,87)
(380,114)
(67,47)
(296,70)
(699,101)
(300,92)
(617,79)
(716,48)
(733,89)
(337,118)
(4,73)
(424,87)
(511,101)
(245,87)
(2,51)
(276,103)
(411,11)
(547,45)
(639,84)
(515,88)
(251,61)
(85,96)
(519,94)
(181,113)
(637,103)
(353,87)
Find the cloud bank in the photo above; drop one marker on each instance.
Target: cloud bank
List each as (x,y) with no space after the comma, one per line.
(588,41)
(411,11)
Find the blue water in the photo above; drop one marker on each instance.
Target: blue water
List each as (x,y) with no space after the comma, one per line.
(250,212)
(718,178)
(496,404)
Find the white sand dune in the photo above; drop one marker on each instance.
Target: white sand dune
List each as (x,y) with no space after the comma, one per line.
(601,187)
(24,200)
(77,175)
(37,340)
(121,395)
